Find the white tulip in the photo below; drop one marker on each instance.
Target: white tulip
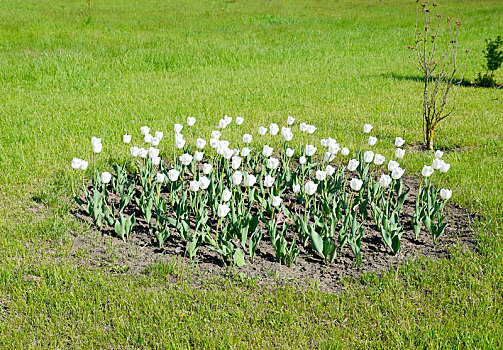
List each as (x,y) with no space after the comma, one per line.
(250,180)
(397,173)
(245,152)
(392,165)
(135,151)
(178,128)
(289,152)
(368,156)
(445,167)
(328,157)
(321,175)
(399,153)
(194,186)
(83,164)
(153,152)
(296,188)
(204,182)
(239,120)
(97,147)
(302,160)
(311,129)
(198,156)
(106,177)
(272,163)
(236,162)
(273,129)
(267,151)
(186,159)
(367,128)
(290,120)
(345,151)
(399,141)
(437,163)
(445,194)
(191,121)
(372,140)
(247,138)
(180,143)
(143,153)
(262,131)
(173,175)
(310,150)
(227,153)
(353,164)
(379,159)
(427,171)
(235,152)
(356,184)
(228,119)
(287,134)
(76,162)
(214,143)
(159,135)
(215,134)
(207,167)
(226,195)
(237,178)
(95,140)
(126,138)
(145,130)
(156,160)
(223,210)
(269,181)
(333,147)
(155,141)
(276,201)
(200,143)
(439,154)
(178,136)
(160,177)
(303,127)
(385,180)
(324,142)
(310,188)
(330,170)
(148,138)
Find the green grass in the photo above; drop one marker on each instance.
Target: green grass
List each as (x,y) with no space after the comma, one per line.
(65,77)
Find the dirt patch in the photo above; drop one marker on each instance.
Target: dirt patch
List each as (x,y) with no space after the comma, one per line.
(140,251)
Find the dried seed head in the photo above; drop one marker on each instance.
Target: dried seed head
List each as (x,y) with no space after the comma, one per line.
(467,50)
(438,15)
(423,5)
(458,22)
(435,4)
(449,19)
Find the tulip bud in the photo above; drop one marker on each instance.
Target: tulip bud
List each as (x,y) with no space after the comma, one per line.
(385,180)
(356,184)
(207,168)
(204,182)
(276,201)
(353,164)
(367,128)
(399,142)
(445,194)
(290,120)
(239,120)
(160,177)
(399,153)
(372,140)
(106,177)
(226,195)
(310,188)
(194,186)
(191,121)
(237,178)
(126,138)
(223,210)
(247,138)
(173,175)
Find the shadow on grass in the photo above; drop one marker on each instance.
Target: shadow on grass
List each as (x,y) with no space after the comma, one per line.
(418,78)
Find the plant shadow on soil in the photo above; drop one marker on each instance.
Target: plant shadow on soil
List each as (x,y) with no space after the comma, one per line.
(141,252)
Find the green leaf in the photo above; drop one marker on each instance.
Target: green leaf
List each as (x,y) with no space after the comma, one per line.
(316,241)
(239,257)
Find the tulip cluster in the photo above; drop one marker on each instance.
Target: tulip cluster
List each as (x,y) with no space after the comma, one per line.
(215,195)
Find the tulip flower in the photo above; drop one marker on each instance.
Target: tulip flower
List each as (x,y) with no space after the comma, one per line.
(311,129)
(83,164)
(399,153)
(143,153)
(385,180)
(445,167)
(399,142)
(227,153)
(296,188)
(215,134)
(160,177)
(356,184)
(272,163)
(198,156)
(310,188)
(345,151)
(126,138)
(223,210)
(148,138)
(144,130)
(250,180)
(269,181)
(153,152)
(289,152)
(186,159)
(330,170)
(237,178)
(379,159)
(328,157)
(445,194)
(214,143)
(97,147)
(76,162)
(207,168)
(226,195)
(368,156)
(290,120)
(135,151)
(276,201)
(245,152)
(392,165)
(353,164)
(321,175)
(310,150)
(439,154)
(273,129)
(303,127)
(302,160)
(236,162)
(178,128)
(200,143)
(191,121)
(204,182)
(239,120)
(173,175)
(156,160)
(247,138)
(267,151)
(228,119)
(367,128)
(397,173)
(324,142)
(372,140)
(427,171)
(159,135)
(333,147)
(437,163)
(180,143)
(155,141)
(262,131)
(106,177)
(194,186)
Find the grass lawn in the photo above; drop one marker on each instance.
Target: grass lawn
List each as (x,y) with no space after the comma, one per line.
(67,74)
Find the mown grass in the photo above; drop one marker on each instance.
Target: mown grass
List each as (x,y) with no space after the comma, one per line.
(65,77)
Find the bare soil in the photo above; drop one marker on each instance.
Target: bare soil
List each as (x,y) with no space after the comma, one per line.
(104,249)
